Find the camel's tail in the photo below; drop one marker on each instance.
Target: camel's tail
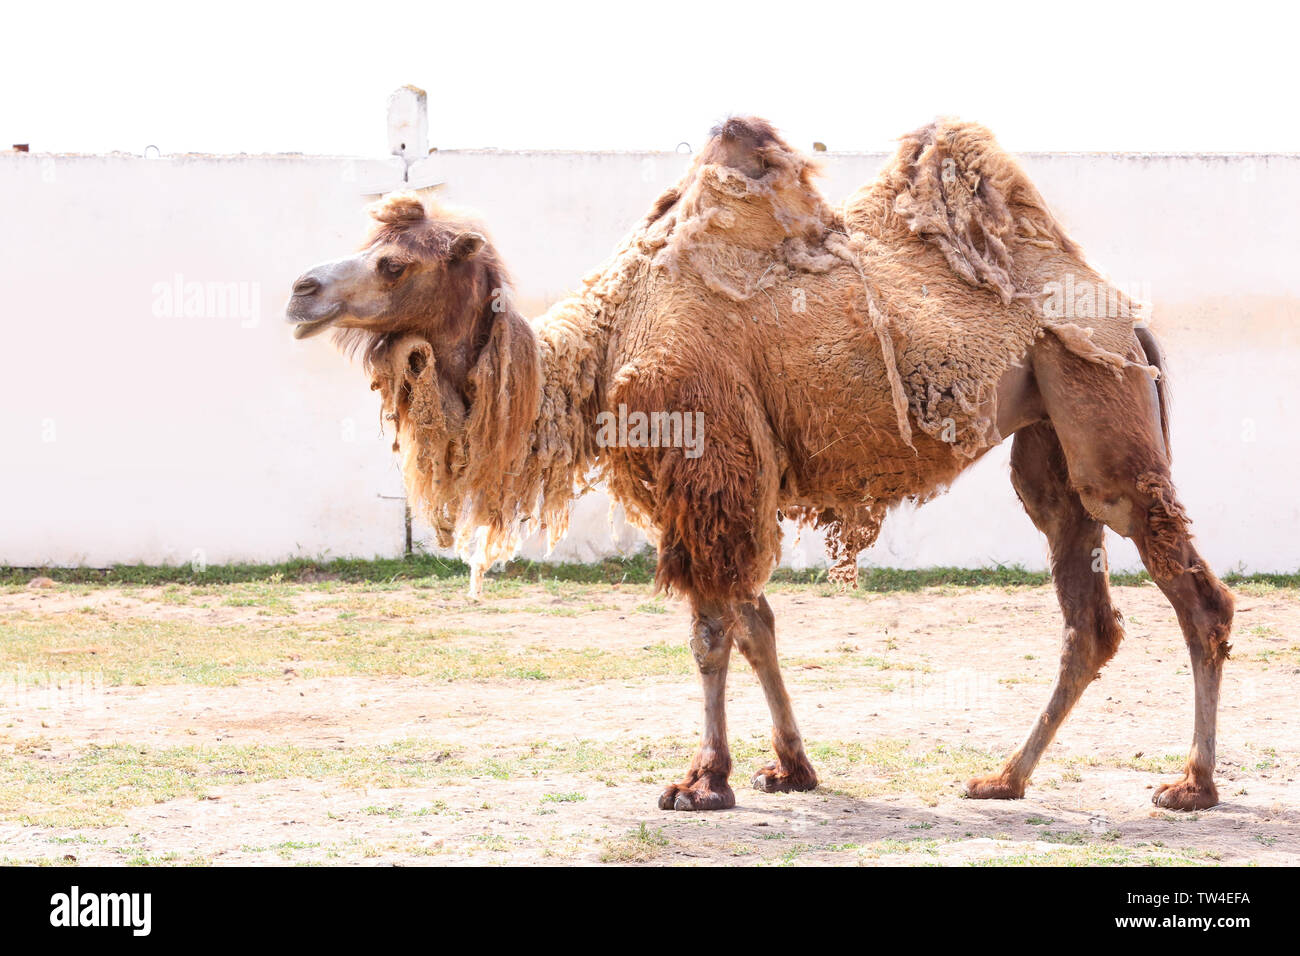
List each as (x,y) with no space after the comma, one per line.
(1156,357)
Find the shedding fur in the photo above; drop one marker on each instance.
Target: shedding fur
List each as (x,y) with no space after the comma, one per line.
(962,248)
(1168,524)
(1079,340)
(841,360)
(815,340)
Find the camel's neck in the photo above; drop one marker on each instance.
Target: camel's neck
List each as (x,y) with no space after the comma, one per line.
(573,344)
(575,336)
(571,352)
(508,452)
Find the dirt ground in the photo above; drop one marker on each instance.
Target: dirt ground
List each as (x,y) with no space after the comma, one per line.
(540,725)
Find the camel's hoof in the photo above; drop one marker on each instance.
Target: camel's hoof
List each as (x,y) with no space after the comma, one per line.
(995,787)
(1185,795)
(774,779)
(703,794)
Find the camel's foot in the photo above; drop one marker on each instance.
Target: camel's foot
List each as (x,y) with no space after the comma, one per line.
(699,791)
(778,778)
(996,786)
(1186,794)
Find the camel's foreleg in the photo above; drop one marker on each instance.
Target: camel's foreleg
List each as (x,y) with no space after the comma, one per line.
(756,638)
(705,786)
(1092,629)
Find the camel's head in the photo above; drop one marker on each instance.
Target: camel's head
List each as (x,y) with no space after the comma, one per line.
(422,270)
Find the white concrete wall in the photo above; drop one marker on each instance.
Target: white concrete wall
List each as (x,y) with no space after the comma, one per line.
(129,435)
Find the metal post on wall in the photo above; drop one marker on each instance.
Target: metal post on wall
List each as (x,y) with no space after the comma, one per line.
(406,519)
(408,140)
(408,124)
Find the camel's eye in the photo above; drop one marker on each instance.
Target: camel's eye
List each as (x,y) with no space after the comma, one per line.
(391,268)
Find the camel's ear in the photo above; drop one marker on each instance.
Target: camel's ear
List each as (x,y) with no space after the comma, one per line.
(466,245)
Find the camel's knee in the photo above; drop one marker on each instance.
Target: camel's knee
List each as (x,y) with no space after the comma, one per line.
(1110,633)
(710,644)
(1091,640)
(1112,507)
(1211,607)
(1204,605)
(1165,533)
(1146,509)
(756,635)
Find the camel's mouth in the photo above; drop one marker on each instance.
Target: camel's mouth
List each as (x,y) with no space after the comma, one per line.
(306,328)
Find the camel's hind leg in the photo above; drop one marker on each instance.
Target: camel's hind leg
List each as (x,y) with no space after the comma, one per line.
(1204,608)
(1092,629)
(756,639)
(1111,431)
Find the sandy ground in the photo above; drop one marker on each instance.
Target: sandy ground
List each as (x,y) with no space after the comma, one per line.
(957,669)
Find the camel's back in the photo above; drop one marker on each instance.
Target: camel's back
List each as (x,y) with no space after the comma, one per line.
(845,358)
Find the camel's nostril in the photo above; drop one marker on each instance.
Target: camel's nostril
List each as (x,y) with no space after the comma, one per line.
(306,286)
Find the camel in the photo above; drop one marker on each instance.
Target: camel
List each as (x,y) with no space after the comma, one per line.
(839,359)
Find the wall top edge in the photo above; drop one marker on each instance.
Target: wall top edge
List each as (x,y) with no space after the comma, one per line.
(847,154)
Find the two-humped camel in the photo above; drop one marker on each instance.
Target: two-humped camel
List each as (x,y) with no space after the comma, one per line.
(843,360)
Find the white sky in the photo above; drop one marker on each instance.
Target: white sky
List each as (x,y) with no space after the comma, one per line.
(314,77)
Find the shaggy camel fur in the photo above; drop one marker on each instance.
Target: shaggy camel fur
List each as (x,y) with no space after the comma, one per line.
(843,360)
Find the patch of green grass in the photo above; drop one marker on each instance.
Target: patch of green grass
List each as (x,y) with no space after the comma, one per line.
(95,786)
(636,569)
(895,766)
(564,798)
(285,848)
(299,569)
(1159,763)
(1094,854)
(1289,656)
(639,846)
(1262,583)
(929,847)
(791,856)
(144,859)
(891,664)
(66,860)
(39,648)
(77,838)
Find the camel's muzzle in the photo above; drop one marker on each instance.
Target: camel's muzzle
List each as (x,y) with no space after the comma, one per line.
(308,311)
